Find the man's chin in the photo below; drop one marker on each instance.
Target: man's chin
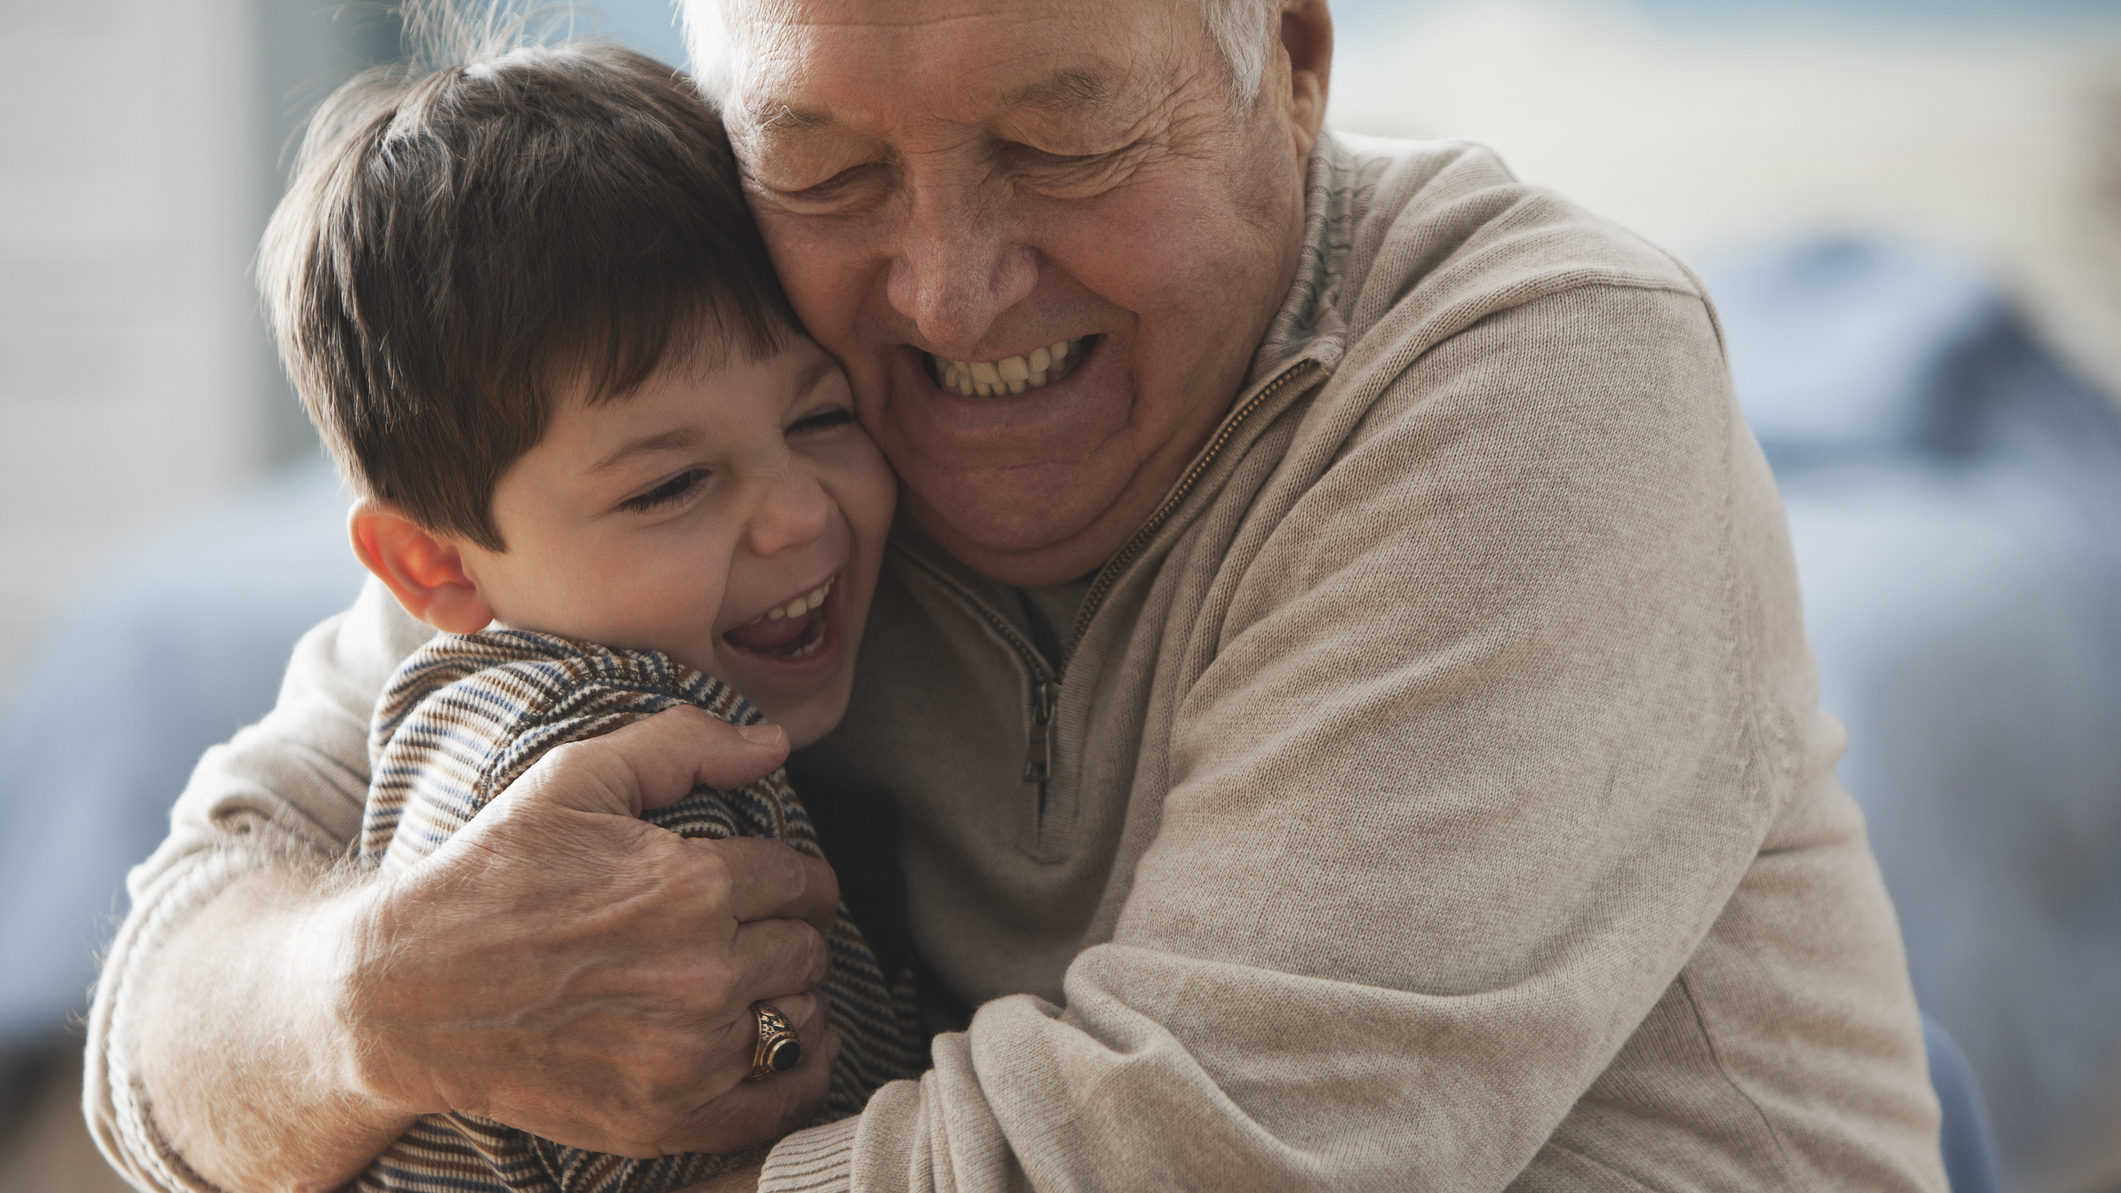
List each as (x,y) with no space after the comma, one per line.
(1041,543)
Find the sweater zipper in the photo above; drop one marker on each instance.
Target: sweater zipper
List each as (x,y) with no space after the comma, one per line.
(1108,575)
(1038,757)
(1046,679)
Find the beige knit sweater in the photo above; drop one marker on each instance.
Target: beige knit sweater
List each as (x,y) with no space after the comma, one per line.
(1433,794)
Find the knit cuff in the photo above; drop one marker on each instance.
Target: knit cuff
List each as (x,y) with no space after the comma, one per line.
(119,1112)
(819,1160)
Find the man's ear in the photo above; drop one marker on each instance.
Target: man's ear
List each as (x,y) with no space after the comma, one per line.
(423,570)
(1307,39)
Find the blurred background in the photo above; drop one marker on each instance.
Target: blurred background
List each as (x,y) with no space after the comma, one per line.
(1908,211)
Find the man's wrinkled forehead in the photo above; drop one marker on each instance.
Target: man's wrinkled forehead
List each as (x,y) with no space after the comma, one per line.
(779,59)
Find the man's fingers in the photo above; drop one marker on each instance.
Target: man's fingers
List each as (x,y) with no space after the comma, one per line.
(680,748)
(777,956)
(757,1112)
(652,762)
(768,880)
(806,1011)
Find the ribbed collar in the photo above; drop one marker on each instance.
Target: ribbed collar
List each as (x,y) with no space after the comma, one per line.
(1309,322)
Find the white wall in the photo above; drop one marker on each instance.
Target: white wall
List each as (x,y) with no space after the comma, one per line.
(2000,139)
(142,146)
(128,376)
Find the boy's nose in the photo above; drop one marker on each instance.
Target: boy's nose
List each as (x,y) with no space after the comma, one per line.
(792,510)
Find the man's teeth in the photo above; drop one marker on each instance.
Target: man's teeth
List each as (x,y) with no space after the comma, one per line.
(800,605)
(1017,374)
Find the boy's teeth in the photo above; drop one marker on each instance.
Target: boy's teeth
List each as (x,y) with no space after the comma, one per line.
(800,605)
(1015,375)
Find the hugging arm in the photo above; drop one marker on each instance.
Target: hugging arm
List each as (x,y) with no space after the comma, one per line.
(245,875)
(1499,838)
(263,1022)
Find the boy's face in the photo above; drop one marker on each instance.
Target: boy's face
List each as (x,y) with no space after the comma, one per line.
(704,515)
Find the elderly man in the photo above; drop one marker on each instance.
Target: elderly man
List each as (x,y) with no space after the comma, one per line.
(1340,685)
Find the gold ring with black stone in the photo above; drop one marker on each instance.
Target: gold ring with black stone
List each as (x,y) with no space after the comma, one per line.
(778,1048)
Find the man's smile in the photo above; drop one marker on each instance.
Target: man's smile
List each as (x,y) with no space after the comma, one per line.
(1010,375)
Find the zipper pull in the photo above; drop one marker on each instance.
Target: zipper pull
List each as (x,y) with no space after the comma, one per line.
(1038,760)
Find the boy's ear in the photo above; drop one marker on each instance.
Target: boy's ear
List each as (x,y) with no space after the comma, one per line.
(425,572)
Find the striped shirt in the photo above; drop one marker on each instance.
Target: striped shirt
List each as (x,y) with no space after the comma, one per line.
(461,720)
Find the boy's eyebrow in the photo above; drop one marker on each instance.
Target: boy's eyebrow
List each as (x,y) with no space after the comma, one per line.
(678,438)
(670,440)
(813,373)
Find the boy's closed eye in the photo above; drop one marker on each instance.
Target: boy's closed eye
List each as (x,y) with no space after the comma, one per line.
(666,491)
(676,487)
(823,420)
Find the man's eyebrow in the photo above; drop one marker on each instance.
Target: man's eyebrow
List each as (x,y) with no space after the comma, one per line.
(1063,90)
(670,440)
(780,119)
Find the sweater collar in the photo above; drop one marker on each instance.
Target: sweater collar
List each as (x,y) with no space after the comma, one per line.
(1309,323)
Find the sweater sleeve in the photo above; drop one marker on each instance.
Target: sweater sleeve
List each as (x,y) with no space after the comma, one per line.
(1504,712)
(286,791)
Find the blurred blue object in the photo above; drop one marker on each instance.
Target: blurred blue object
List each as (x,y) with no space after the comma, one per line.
(169,647)
(1861,352)
(1851,349)
(650,26)
(1969,1158)
(1954,494)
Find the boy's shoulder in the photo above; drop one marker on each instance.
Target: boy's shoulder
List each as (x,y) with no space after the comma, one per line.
(467,714)
(500,681)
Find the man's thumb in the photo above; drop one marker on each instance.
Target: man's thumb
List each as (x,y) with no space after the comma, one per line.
(676,750)
(652,762)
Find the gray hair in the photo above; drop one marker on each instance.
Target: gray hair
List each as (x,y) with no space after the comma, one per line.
(1243,32)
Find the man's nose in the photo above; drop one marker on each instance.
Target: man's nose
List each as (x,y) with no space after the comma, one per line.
(790,511)
(958,266)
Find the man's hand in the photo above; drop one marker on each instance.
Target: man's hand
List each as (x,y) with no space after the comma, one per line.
(564,967)
(559,965)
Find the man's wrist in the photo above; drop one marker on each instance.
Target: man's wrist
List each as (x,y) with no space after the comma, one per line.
(351,949)
(236,1029)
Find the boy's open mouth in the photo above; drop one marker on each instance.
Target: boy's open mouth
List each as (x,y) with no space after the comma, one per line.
(795,630)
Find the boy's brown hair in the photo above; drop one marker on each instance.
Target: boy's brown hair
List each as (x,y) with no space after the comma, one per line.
(461,248)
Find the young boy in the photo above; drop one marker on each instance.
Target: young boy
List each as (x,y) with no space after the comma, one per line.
(524,303)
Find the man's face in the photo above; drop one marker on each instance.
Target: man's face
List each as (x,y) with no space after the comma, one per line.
(1038,236)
